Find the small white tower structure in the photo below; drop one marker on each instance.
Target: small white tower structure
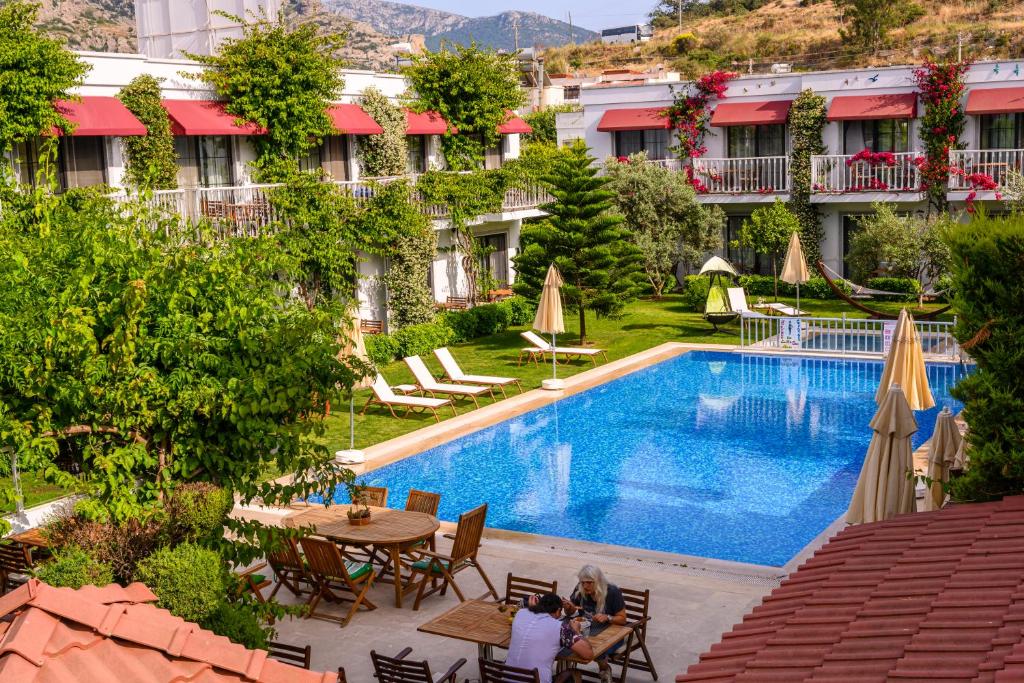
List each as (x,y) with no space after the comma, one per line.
(169,28)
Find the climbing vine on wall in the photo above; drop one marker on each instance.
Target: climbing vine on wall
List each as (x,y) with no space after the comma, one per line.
(384,154)
(941,86)
(282,77)
(410,254)
(807,120)
(151,161)
(689,116)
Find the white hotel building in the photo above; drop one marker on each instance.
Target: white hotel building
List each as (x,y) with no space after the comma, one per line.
(748,144)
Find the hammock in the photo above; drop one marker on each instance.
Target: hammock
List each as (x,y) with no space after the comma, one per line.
(841,293)
(858,290)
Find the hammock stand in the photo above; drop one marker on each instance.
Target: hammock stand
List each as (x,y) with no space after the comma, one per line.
(930,315)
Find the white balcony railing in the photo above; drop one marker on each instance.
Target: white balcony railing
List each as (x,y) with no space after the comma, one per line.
(842,173)
(976,168)
(670,164)
(236,211)
(742,175)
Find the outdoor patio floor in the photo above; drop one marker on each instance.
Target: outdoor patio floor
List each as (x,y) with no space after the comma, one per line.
(692,602)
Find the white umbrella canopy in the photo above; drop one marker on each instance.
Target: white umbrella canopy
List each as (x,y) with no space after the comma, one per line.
(942,452)
(794,269)
(717,264)
(884,488)
(904,365)
(549,318)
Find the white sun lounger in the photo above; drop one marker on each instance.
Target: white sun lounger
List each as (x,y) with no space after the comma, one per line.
(738,303)
(427,383)
(541,348)
(783,309)
(384,395)
(456,375)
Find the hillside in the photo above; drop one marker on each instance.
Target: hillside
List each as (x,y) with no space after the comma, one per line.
(495,31)
(806,35)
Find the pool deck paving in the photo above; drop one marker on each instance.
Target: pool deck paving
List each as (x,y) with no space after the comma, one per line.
(692,602)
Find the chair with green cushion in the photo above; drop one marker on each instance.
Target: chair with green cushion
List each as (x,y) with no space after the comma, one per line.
(289,569)
(434,566)
(418,501)
(336,578)
(250,581)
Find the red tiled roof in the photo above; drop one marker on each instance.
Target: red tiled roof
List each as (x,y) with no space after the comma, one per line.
(98,635)
(934,596)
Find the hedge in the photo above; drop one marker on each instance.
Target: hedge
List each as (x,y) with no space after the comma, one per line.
(905,287)
(451,327)
(695,289)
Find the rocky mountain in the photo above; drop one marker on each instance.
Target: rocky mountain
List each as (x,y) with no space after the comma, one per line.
(496,31)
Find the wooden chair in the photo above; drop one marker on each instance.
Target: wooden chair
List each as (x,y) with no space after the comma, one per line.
(637,616)
(371,326)
(289,569)
(251,581)
(15,565)
(423,501)
(434,565)
(374,495)
(398,669)
(290,654)
(497,672)
(519,588)
(334,576)
(457,303)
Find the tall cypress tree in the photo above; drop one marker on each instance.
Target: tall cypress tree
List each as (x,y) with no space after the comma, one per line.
(584,238)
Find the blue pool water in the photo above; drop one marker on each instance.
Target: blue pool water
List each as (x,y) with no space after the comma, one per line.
(718,455)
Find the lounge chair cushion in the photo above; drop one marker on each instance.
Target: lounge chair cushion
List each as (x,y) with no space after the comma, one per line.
(423,565)
(357,569)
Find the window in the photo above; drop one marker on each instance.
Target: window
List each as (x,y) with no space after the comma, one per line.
(25,162)
(494,258)
(313,161)
(884,135)
(188,171)
(571,92)
(654,142)
(335,157)
(756,141)
(214,161)
(416,155)
(1002,131)
(851,224)
(743,258)
(82,161)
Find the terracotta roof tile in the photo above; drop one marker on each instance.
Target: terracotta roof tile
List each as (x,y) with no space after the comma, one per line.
(111,633)
(935,596)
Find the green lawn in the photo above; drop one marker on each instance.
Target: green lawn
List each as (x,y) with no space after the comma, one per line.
(35,490)
(646,324)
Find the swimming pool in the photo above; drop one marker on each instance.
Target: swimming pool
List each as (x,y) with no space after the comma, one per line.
(719,455)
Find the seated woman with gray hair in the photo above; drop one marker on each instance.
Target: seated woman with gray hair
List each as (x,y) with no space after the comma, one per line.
(600,602)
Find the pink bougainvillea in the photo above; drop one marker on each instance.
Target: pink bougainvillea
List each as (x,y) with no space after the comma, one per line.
(872,158)
(689,113)
(941,87)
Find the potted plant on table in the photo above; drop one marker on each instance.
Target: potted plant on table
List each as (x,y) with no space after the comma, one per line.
(358,516)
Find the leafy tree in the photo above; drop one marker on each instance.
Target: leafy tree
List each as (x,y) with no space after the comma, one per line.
(907,246)
(806,122)
(473,88)
(35,72)
(666,222)
(282,77)
(384,154)
(989,299)
(543,123)
(584,238)
(151,160)
(868,22)
(148,357)
(767,232)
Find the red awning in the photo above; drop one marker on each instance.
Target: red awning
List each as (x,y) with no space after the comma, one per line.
(352,120)
(646,118)
(205,117)
(513,124)
(995,101)
(869,107)
(100,116)
(751,113)
(427,123)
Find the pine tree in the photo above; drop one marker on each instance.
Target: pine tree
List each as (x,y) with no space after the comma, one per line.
(585,239)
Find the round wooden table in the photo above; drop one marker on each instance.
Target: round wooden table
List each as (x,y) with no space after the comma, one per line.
(390,530)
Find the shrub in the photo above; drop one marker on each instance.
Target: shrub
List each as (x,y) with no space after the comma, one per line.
(189,580)
(119,545)
(987,255)
(695,292)
(197,510)
(521,310)
(907,288)
(419,340)
(817,288)
(72,567)
(238,623)
(764,285)
(381,348)
(460,323)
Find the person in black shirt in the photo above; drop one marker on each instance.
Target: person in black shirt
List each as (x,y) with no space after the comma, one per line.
(602,603)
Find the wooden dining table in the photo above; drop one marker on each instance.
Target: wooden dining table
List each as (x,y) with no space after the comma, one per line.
(32,537)
(481,622)
(391,531)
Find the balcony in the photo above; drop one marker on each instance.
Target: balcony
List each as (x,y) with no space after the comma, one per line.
(868,177)
(762,176)
(982,172)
